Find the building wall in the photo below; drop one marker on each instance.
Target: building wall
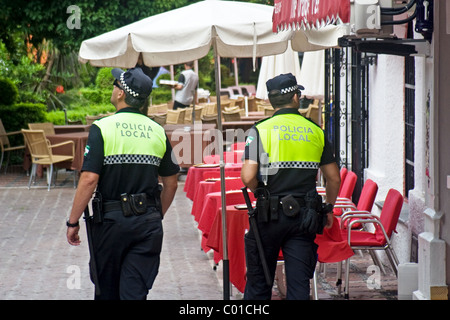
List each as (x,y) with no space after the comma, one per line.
(386,138)
(441,42)
(386,142)
(386,132)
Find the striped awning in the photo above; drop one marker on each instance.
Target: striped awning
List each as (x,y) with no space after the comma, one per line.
(309,14)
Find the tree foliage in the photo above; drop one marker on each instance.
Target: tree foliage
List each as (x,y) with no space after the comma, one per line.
(49,20)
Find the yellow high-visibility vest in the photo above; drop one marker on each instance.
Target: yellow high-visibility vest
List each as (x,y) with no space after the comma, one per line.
(126,136)
(291,141)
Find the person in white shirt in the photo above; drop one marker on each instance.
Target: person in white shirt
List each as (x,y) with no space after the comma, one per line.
(186,87)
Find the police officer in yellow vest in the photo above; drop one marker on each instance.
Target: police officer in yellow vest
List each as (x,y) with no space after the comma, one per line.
(281,160)
(126,153)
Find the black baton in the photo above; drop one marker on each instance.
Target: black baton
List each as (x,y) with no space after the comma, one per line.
(93,266)
(254,227)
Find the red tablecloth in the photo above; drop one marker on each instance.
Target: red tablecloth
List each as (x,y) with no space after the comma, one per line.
(212,203)
(195,175)
(202,189)
(238,224)
(332,248)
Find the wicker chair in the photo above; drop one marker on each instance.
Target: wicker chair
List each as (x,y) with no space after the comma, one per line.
(231,115)
(209,119)
(5,145)
(41,153)
(48,127)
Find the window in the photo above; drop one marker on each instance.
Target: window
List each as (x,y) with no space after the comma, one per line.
(409,122)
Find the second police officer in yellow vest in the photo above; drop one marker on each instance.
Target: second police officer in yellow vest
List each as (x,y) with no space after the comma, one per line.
(281,160)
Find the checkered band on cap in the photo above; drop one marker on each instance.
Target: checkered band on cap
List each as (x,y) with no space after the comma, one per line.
(290,89)
(126,87)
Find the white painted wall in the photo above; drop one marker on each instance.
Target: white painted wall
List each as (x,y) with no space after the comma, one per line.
(386,124)
(386,141)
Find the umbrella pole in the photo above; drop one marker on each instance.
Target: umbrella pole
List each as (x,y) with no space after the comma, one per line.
(226,265)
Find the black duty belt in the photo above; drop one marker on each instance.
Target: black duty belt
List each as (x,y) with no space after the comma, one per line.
(130,204)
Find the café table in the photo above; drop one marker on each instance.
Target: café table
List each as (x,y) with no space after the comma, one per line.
(190,143)
(212,203)
(202,189)
(331,247)
(195,175)
(234,125)
(80,140)
(237,226)
(59,129)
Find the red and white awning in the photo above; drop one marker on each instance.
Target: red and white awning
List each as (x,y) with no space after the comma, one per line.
(309,14)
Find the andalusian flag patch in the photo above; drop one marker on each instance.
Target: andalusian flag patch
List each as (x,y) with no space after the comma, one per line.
(249,140)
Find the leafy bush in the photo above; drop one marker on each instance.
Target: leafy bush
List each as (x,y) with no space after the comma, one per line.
(8,92)
(96,95)
(161,95)
(17,116)
(79,113)
(104,79)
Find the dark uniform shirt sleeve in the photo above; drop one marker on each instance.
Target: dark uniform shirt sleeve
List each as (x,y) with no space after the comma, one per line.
(253,146)
(169,165)
(94,152)
(327,154)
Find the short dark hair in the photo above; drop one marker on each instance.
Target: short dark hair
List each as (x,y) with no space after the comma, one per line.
(278,100)
(133,102)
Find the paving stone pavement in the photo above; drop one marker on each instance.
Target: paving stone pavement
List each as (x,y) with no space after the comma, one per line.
(37,263)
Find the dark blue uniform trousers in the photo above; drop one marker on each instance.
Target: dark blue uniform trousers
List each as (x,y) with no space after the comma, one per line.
(127,252)
(299,253)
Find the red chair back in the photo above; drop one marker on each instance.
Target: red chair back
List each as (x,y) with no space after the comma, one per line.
(348,186)
(390,212)
(230,184)
(346,190)
(367,197)
(343,175)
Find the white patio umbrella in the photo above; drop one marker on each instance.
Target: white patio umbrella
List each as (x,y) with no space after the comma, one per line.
(312,74)
(275,65)
(233,29)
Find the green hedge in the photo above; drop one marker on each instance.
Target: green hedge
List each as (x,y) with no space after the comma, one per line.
(161,95)
(104,79)
(96,96)
(79,113)
(17,116)
(8,92)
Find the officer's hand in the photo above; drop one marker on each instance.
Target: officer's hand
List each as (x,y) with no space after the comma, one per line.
(72,236)
(330,219)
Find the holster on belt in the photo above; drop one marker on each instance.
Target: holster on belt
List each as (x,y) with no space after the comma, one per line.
(158,198)
(290,205)
(97,208)
(262,204)
(133,204)
(314,214)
